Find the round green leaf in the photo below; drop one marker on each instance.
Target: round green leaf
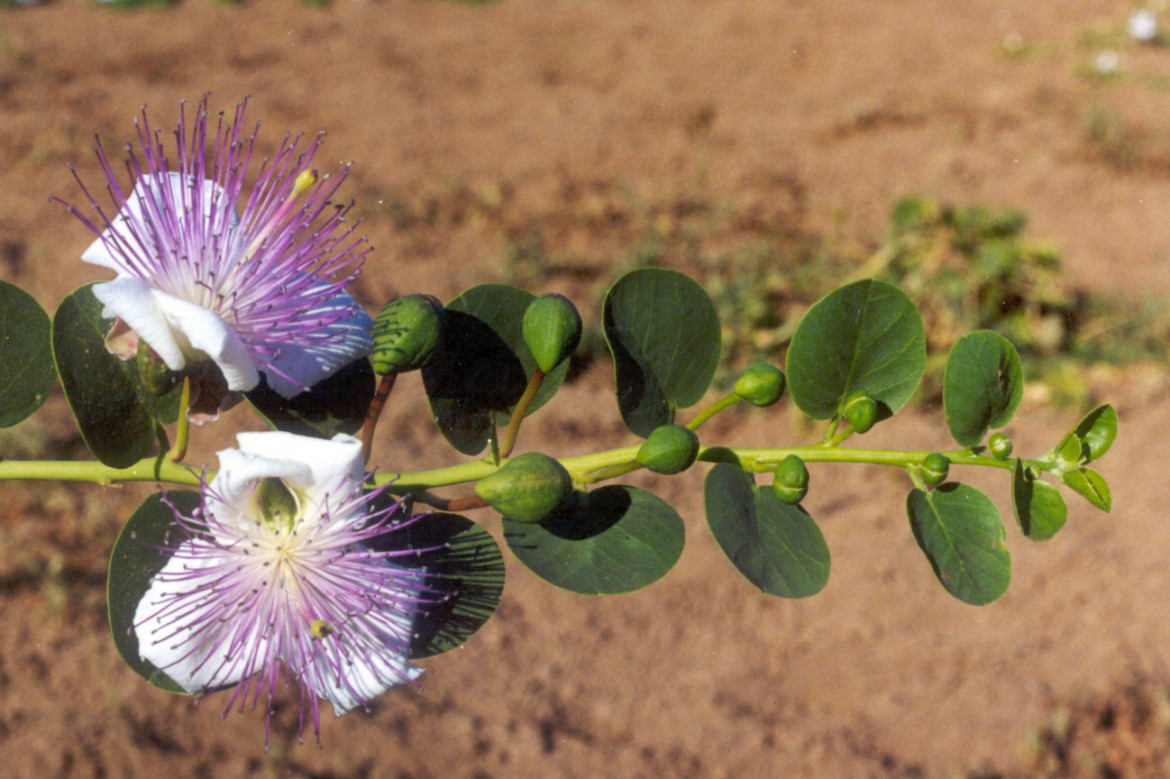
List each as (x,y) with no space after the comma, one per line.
(464,578)
(1097,431)
(1039,508)
(664,335)
(962,534)
(867,337)
(1071,450)
(1090,485)
(115,412)
(482,366)
(777,546)
(137,556)
(26,352)
(982,385)
(610,540)
(336,404)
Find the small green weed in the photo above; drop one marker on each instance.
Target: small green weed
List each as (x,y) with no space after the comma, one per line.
(966,268)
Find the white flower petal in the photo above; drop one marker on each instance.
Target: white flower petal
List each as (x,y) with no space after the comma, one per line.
(178,330)
(366,680)
(169,646)
(330,467)
(342,342)
(208,335)
(368,676)
(120,232)
(239,472)
(134,303)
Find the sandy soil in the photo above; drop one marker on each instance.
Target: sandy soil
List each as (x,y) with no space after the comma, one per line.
(470,124)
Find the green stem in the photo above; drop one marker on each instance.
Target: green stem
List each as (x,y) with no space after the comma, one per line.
(183,429)
(609,472)
(155,469)
(580,467)
(522,406)
(712,410)
(916,478)
(838,434)
(584,468)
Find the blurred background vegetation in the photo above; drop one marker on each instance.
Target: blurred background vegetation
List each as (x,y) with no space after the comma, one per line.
(966,266)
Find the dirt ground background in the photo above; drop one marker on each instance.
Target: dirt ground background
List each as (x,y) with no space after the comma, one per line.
(467,125)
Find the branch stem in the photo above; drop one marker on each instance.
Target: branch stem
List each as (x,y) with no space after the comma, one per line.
(183,429)
(154,469)
(374,411)
(712,410)
(581,468)
(522,406)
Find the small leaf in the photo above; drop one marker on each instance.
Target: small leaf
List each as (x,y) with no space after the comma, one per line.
(982,385)
(664,335)
(336,404)
(478,373)
(1090,485)
(777,546)
(1039,508)
(115,412)
(962,534)
(1097,430)
(864,337)
(1071,450)
(610,540)
(26,352)
(464,577)
(137,556)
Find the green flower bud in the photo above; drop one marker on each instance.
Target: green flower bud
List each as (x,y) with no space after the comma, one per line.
(760,384)
(669,449)
(406,333)
(791,480)
(1000,446)
(526,488)
(934,468)
(155,375)
(860,412)
(552,329)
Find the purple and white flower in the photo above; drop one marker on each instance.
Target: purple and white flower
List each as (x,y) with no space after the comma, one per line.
(275,571)
(254,282)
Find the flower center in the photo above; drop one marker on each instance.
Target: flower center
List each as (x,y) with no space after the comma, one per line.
(278,506)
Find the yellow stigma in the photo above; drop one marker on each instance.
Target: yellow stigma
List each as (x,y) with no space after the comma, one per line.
(304,180)
(320,628)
